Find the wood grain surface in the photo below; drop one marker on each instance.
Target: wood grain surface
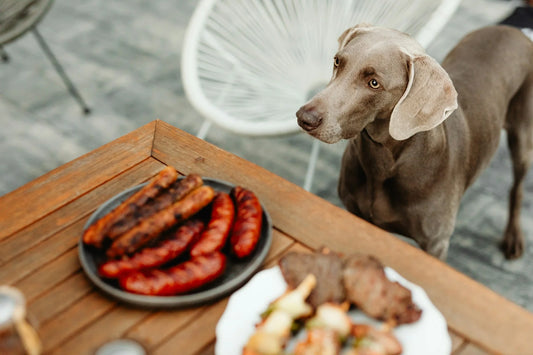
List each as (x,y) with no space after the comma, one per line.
(42,222)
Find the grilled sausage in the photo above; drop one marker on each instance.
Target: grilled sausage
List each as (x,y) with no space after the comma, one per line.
(150,228)
(247,228)
(173,193)
(219,226)
(97,232)
(165,251)
(181,278)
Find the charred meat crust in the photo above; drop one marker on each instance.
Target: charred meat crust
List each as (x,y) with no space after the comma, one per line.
(151,227)
(370,290)
(327,269)
(175,192)
(98,232)
(360,279)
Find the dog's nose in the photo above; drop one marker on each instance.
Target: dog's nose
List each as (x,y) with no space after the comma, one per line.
(308,119)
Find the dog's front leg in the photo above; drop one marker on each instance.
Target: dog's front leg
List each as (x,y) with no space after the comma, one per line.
(438,247)
(520,140)
(432,232)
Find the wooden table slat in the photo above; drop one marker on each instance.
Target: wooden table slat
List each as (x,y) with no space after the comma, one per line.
(50,274)
(161,325)
(79,208)
(208,350)
(73,179)
(46,307)
(110,326)
(197,334)
(32,259)
(67,324)
(471,349)
(457,340)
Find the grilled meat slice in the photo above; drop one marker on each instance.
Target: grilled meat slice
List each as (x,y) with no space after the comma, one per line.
(327,268)
(369,289)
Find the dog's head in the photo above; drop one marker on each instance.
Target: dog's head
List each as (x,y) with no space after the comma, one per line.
(379,74)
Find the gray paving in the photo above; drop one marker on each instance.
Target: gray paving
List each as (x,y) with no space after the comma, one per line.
(124,58)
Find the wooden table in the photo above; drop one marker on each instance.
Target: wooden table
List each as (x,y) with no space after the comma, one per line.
(41,223)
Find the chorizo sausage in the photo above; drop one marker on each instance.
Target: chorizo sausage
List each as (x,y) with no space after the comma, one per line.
(219,226)
(175,192)
(96,233)
(247,227)
(181,278)
(150,228)
(167,250)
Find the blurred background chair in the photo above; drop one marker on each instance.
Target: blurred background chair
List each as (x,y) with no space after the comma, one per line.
(17,17)
(248,65)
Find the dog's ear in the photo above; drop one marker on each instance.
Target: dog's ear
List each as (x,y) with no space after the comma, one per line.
(350,33)
(428,100)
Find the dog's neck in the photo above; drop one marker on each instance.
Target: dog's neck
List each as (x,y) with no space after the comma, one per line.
(378,132)
(376,158)
(386,153)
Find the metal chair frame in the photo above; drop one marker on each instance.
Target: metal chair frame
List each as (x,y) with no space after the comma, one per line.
(17,17)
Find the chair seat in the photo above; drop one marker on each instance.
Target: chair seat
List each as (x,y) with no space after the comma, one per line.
(248,65)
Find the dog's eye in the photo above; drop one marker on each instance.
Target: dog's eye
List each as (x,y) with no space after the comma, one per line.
(336,61)
(373,83)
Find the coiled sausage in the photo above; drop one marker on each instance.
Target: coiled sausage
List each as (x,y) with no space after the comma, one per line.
(219,226)
(167,250)
(181,278)
(151,227)
(247,228)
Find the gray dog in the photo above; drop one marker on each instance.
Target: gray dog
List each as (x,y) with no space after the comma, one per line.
(421,133)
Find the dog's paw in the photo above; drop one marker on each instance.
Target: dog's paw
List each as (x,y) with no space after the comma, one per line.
(512,245)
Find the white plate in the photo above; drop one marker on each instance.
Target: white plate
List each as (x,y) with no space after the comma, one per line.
(429,335)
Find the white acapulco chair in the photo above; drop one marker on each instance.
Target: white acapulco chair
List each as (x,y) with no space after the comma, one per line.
(248,65)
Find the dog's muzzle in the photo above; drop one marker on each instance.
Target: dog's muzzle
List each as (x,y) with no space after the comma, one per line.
(308,119)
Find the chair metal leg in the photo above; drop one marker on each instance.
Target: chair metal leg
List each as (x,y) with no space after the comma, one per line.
(70,86)
(312,165)
(4,55)
(202,133)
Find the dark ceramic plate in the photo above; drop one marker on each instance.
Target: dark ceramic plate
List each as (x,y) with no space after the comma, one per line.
(236,274)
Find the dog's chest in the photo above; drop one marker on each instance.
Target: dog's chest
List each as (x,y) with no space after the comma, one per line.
(379,207)
(377,161)
(376,195)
